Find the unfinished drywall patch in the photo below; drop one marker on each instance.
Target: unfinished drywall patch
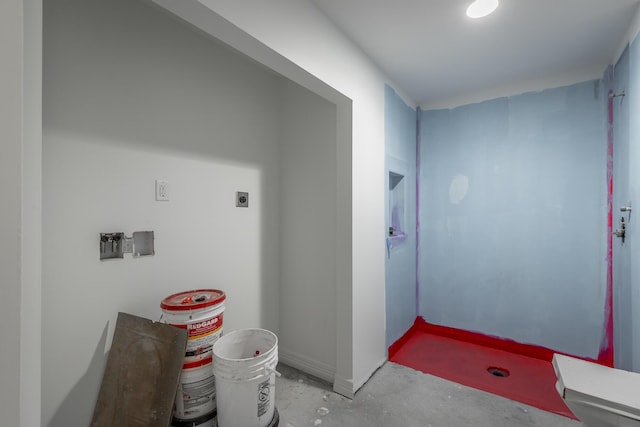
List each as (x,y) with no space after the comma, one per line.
(458,189)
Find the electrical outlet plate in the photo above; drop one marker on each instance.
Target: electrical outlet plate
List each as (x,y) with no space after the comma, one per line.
(242,199)
(162,190)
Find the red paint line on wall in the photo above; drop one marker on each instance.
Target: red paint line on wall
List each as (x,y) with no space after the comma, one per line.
(605,355)
(418,116)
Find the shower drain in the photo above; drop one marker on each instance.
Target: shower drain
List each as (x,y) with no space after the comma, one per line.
(498,372)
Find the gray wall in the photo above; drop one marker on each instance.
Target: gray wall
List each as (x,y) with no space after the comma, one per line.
(512,218)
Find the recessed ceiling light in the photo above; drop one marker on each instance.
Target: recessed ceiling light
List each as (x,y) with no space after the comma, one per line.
(481,8)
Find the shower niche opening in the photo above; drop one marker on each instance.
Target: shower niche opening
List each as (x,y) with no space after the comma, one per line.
(397,220)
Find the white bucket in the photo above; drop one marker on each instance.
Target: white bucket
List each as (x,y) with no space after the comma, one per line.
(196,395)
(200,313)
(244,364)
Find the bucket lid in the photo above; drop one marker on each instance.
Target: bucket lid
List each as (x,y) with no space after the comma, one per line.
(193,300)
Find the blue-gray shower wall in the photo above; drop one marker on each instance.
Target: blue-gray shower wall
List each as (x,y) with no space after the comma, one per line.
(400,271)
(626,178)
(513,214)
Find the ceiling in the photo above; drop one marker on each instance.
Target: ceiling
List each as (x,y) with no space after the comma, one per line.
(432,51)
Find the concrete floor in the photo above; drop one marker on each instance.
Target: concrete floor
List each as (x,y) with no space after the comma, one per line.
(397,396)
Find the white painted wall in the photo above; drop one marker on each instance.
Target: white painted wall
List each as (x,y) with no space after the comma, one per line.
(308,186)
(289,35)
(211,123)
(131,96)
(20,121)
(31,254)
(11,103)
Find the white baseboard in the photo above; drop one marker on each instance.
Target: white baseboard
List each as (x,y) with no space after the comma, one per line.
(344,387)
(306,364)
(357,385)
